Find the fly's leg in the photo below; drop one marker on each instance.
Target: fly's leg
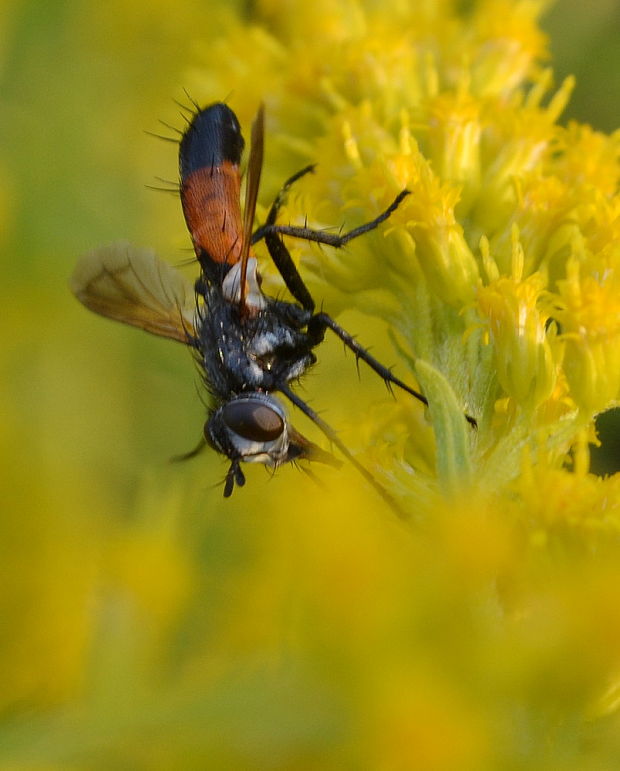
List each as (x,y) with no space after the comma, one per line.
(278,251)
(336,240)
(322,321)
(335,440)
(191,454)
(288,270)
(280,255)
(280,198)
(319,322)
(296,286)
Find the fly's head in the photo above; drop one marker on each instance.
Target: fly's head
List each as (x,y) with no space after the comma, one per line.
(254,428)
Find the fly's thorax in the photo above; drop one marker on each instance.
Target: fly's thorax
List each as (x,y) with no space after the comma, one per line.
(243,354)
(282,352)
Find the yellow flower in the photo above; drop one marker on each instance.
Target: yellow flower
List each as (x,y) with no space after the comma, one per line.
(524,360)
(591,321)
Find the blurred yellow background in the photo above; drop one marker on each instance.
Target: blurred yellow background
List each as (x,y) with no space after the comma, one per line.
(146,622)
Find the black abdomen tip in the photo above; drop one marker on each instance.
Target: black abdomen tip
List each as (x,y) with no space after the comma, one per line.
(213,137)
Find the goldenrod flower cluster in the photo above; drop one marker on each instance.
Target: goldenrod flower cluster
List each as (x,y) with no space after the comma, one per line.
(498,275)
(302,626)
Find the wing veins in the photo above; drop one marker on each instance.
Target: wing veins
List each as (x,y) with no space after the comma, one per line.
(255,165)
(132,286)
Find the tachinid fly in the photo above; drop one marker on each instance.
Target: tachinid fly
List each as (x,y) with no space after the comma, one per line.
(249,346)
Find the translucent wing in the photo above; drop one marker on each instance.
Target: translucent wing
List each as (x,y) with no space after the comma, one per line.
(255,165)
(133,285)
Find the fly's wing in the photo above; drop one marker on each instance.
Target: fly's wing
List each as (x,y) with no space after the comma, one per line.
(300,447)
(133,285)
(255,165)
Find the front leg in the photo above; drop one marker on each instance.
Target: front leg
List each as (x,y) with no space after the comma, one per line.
(316,330)
(322,321)
(286,267)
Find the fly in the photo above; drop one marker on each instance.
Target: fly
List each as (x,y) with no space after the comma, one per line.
(249,346)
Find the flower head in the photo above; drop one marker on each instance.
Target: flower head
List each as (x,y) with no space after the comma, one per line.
(499,270)
(303,627)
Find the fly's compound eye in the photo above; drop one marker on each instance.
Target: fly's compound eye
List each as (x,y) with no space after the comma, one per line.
(253,421)
(251,428)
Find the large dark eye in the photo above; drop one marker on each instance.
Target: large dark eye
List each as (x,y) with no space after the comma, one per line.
(254,421)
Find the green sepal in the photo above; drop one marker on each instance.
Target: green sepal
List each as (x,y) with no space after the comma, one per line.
(452,431)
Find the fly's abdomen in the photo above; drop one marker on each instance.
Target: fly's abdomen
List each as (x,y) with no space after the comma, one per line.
(209,157)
